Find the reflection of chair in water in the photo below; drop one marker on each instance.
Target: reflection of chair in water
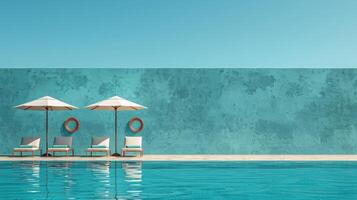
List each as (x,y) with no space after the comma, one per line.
(30,168)
(29,178)
(60,174)
(133,176)
(59,165)
(132,171)
(100,169)
(100,174)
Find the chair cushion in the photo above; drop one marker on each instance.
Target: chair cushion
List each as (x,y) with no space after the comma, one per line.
(60,146)
(26,146)
(98,150)
(59,149)
(133,146)
(132,149)
(99,146)
(26,149)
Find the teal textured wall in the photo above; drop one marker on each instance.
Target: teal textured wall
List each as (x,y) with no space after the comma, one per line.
(194,111)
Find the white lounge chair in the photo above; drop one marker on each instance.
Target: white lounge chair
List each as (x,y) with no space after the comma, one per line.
(28,144)
(132,144)
(62,144)
(99,144)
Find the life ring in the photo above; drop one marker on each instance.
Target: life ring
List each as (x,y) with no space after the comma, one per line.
(66,123)
(134,130)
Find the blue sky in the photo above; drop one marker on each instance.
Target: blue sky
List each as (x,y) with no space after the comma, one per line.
(182,33)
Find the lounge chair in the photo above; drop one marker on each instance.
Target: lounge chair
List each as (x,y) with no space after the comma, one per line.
(99,144)
(28,144)
(62,144)
(132,144)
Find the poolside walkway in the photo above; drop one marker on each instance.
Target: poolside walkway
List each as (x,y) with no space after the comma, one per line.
(192,158)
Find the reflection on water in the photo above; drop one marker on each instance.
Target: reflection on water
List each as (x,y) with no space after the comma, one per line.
(100,174)
(71,180)
(59,175)
(178,180)
(92,180)
(133,176)
(30,176)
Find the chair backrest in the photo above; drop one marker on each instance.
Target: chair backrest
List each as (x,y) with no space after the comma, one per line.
(33,141)
(100,141)
(61,140)
(133,141)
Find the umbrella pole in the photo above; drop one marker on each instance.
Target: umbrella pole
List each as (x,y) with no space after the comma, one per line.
(46,132)
(116,133)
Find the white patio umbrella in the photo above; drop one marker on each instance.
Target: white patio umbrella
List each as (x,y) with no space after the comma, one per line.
(46,103)
(115,104)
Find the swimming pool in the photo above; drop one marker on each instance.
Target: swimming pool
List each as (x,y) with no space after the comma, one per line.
(178,180)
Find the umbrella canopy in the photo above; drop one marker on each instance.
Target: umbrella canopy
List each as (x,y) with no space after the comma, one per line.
(115,104)
(46,103)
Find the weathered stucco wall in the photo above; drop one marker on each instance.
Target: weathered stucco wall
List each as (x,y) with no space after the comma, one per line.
(194,111)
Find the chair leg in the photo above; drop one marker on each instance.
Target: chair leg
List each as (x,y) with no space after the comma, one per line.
(53,154)
(33,153)
(91,154)
(73,152)
(21,153)
(66,153)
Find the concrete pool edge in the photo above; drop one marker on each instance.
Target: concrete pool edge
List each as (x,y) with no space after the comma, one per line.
(330,157)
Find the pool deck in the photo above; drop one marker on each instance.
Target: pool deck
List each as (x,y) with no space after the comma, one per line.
(191,158)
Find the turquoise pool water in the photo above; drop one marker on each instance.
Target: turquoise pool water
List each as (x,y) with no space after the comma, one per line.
(178,180)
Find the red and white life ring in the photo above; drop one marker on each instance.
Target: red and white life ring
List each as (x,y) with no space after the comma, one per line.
(66,124)
(131,127)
